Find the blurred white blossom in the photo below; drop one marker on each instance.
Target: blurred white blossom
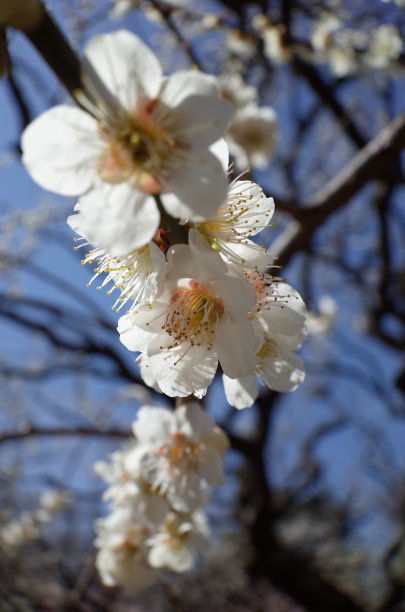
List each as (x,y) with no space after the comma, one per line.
(158,486)
(252,136)
(385,46)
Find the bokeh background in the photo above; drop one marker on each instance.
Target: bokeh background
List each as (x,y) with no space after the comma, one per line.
(313,513)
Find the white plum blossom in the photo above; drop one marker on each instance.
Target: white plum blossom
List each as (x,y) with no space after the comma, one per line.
(385,46)
(200,318)
(180,454)
(122,556)
(252,131)
(273,37)
(335,45)
(158,485)
(145,135)
(124,475)
(245,212)
(29,526)
(281,316)
(178,540)
(252,136)
(240,44)
(278,367)
(116,474)
(274,43)
(233,88)
(342,61)
(322,35)
(138,275)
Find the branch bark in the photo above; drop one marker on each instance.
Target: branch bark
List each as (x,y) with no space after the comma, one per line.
(376,161)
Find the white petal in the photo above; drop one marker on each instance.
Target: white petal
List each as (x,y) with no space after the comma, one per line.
(183,370)
(210,466)
(240,392)
(147,317)
(146,374)
(188,495)
(154,426)
(126,66)
(60,150)
(284,373)
(220,149)
(197,189)
(185,83)
(194,422)
(133,337)
(236,345)
(253,255)
(204,253)
(199,120)
(283,310)
(118,218)
(175,558)
(259,208)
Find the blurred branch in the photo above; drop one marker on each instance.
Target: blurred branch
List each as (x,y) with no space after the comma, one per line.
(86,344)
(377,161)
(61,431)
(166,12)
(286,568)
(19,98)
(49,41)
(325,92)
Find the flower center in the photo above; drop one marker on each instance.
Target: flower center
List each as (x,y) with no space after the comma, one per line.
(193,315)
(174,459)
(180,453)
(235,221)
(136,150)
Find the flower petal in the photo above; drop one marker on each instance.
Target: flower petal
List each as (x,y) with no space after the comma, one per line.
(240,392)
(185,83)
(194,422)
(210,466)
(153,425)
(236,345)
(118,218)
(133,337)
(126,66)
(182,370)
(60,149)
(285,372)
(283,311)
(197,189)
(200,120)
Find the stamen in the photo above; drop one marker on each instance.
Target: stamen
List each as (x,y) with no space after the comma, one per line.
(193,316)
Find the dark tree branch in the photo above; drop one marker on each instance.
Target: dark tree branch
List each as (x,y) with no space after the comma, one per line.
(377,161)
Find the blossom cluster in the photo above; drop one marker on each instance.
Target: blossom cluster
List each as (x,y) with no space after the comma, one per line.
(345,49)
(348,50)
(159,485)
(29,526)
(198,292)
(145,156)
